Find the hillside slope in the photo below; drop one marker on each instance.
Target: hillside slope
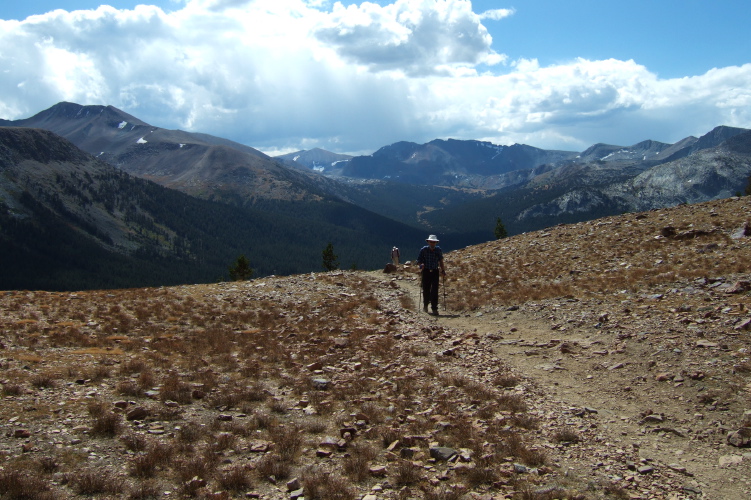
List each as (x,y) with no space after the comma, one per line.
(606,359)
(70,221)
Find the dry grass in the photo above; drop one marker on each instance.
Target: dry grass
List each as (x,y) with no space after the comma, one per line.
(247,351)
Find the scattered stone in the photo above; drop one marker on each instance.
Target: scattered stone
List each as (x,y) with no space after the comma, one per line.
(293,484)
(137,413)
(378,470)
(321,384)
(442,453)
(740,438)
(729,460)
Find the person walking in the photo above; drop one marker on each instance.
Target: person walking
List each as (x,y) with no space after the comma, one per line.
(430,260)
(395,256)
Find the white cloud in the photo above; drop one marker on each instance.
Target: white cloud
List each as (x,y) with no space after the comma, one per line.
(497,14)
(417,37)
(292,74)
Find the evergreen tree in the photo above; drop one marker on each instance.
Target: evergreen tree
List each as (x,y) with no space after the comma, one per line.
(500,229)
(241,271)
(748,187)
(330,260)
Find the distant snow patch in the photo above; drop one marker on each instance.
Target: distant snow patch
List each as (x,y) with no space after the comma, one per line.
(182,145)
(318,169)
(142,141)
(122,125)
(296,158)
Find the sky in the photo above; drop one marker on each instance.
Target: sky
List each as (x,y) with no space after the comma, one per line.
(351,77)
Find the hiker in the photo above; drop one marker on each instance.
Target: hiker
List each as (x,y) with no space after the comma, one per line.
(395,256)
(430,261)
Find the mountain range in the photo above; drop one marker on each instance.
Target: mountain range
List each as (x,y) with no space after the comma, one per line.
(133,190)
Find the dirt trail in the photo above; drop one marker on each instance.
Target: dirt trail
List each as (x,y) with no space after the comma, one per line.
(604,386)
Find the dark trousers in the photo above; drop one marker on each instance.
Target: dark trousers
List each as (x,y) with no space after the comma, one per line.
(430,282)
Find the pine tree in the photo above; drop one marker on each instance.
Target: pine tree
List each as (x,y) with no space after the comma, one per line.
(330,260)
(500,229)
(748,187)
(241,271)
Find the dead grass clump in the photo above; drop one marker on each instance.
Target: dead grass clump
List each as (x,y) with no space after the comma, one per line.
(262,420)
(444,493)
(48,464)
(273,468)
(174,389)
(277,406)
(236,478)
(406,302)
(191,432)
(106,424)
(481,475)
(17,484)
(133,366)
(134,441)
(527,491)
(223,441)
(288,440)
(388,435)
(323,486)
(95,482)
(315,425)
(505,380)
(356,464)
(478,392)
(566,436)
(373,411)
(512,402)
(146,380)
(44,380)
(145,490)
(12,389)
(201,466)
(529,422)
(406,473)
(129,388)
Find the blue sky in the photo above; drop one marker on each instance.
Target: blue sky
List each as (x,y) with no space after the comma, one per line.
(283,75)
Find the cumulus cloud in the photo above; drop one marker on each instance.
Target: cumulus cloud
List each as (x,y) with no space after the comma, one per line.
(418,37)
(282,75)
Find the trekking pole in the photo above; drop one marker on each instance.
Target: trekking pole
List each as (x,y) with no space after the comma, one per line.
(419,305)
(444,292)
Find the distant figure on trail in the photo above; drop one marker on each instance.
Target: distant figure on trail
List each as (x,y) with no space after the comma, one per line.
(430,260)
(395,256)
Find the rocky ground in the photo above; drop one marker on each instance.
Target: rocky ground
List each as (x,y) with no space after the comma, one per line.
(606,359)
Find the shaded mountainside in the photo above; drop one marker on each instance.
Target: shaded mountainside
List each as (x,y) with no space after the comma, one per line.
(198,164)
(448,162)
(69,221)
